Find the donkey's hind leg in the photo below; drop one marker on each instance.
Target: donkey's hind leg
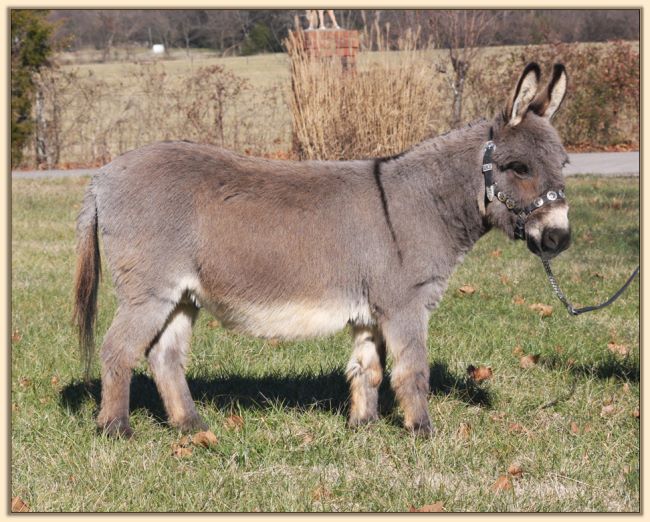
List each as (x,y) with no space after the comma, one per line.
(131,333)
(364,373)
(167,360)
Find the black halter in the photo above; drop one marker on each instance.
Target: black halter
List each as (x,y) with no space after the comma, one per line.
(521,213)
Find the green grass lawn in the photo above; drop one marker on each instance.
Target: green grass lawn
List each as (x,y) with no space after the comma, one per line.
(293,451)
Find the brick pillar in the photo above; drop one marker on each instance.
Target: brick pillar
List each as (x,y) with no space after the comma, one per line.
(328,43)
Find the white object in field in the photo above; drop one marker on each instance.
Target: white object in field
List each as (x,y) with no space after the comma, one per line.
(158,48)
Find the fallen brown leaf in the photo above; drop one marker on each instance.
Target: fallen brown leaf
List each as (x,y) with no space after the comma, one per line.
(502,483)
(273,342)
(636,413)
(463,431)
(180,451)
(498,416)
(214,324)
(620,349)
(234,422)
(14,407)
(183,448)
(205,439)
(15,336)
(570,362)
(54,380)
(542,309)
(436,507)
(24,382)
(321,493)
(496,253)
(18,505)
(575,429)
(528,361)
(518,351)
(467,289)
(515,427)
(518,300)
(482,373)
(607,410)
(515,470)
(626,387)
(307,439)
(505,280)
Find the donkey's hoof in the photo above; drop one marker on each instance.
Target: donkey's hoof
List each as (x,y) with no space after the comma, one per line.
(358,422)
(421,429)
(192,424)
(118,428)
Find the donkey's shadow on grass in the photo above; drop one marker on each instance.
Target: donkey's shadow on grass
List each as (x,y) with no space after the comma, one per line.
(327,392)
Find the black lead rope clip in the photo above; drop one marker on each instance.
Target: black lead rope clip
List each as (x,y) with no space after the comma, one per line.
(577,311)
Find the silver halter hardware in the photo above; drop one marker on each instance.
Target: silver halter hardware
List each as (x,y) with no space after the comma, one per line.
(510,203)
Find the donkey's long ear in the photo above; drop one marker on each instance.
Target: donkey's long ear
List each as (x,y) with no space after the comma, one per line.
(522,96)
(549,100)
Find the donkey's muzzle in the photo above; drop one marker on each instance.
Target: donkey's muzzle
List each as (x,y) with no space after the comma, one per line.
(552,242)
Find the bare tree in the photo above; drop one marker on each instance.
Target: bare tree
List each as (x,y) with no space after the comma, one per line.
(189,25)
(461,32)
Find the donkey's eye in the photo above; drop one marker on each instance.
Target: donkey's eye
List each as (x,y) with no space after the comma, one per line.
(518,167)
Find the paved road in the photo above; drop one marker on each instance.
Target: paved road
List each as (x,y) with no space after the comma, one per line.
(603,164)
(600,163)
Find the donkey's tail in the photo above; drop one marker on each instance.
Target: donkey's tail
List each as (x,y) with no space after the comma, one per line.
(87,278)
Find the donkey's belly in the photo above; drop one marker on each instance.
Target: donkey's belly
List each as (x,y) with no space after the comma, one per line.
(292,320)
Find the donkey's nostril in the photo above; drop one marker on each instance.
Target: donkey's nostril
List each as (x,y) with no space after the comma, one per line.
(554,240)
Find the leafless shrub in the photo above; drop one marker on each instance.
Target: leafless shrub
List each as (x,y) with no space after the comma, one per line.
(602,107)
(87,120)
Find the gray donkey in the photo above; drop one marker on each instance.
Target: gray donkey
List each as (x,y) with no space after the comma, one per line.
(292,250)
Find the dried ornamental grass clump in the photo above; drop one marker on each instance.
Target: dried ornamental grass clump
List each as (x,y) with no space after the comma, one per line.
(382,107)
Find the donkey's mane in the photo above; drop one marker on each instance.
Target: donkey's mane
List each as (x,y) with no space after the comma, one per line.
(432,138)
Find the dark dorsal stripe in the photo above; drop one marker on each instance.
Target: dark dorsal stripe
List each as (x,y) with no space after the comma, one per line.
(384,202)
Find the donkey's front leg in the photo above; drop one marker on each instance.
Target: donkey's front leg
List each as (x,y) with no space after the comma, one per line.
(365,373)
(406,336)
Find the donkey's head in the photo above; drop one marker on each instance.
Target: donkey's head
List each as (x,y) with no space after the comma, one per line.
(523,166)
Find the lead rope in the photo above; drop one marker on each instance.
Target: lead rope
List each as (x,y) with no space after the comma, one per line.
(577,311)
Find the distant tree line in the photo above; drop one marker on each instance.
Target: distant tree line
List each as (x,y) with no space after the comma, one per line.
(250,31)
